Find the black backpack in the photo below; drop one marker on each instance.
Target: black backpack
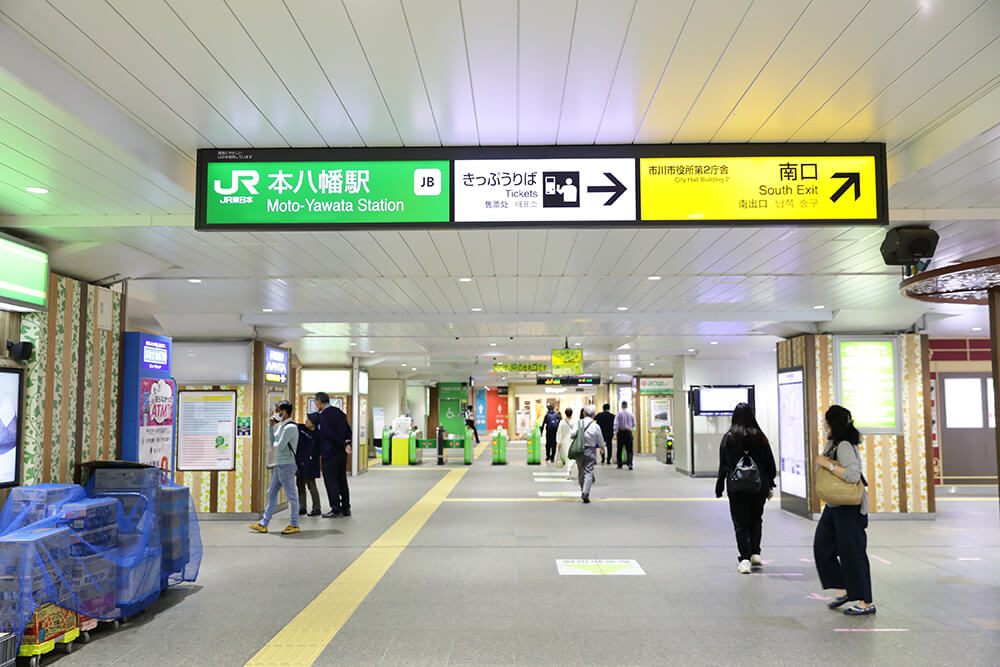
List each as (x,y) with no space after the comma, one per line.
(745,477)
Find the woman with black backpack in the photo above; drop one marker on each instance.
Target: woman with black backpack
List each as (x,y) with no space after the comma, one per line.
(746,468)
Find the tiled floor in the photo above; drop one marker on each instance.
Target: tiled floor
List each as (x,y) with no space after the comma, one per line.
(479,585)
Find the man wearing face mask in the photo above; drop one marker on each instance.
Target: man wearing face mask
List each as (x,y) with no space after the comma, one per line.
(283,435)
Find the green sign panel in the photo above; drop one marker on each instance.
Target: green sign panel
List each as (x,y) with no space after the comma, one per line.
(450,390)
(867,372)
(275,194)
(24,275)
(521,367)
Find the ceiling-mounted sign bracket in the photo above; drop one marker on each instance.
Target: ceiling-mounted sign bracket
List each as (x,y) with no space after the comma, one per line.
(632,186)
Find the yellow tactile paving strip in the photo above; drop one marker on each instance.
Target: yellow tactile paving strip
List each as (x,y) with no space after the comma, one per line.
(302,641)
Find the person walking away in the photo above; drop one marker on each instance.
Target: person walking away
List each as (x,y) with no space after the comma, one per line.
(840,545)
(745,439)
(308,465)
(470,422)
(334,435)
(283,435)
(606,421)
(550,426)
(624,425)
(564,438)
(593,440)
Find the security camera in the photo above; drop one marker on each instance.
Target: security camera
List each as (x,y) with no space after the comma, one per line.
(456,337)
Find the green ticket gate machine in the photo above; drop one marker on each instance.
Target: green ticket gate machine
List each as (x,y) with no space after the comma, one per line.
(500,447)
(534,448)
(444,444)
(386,446)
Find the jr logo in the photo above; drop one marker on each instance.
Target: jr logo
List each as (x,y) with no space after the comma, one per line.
(248,177)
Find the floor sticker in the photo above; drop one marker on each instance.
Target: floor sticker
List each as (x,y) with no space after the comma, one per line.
(549,474)
(882,560)
(817,596)
(970,559)
(871,630)
(558,494)
(599,567)
(553,479)
(775,574)
(806,560)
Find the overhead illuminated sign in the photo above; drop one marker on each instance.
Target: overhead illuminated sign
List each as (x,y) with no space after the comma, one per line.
(521,367)
(275,365)
(867,384)
(534,186)
(539,190)
(723,189)
(568,380)
(656,385)
(251,193)
(567,362)
(24,275)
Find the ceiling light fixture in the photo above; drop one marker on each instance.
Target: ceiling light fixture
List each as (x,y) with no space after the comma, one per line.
(194,281)
(623,308)
(690,349)
(493,344)
(37,190)
(465,280)
(402,364)
(818,307)
(576,344)
(371,351)
(652,364)
(267,310)
(653,278)
(281,282)
(977,328)
(714,342)
(477,310)
(354,344)
(413,369)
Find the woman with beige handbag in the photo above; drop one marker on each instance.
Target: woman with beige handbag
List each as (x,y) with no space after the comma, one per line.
(840,544)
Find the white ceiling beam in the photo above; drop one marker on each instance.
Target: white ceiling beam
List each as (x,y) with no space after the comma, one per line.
(25,62)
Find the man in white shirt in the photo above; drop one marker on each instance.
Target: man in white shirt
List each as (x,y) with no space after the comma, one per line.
(624,425)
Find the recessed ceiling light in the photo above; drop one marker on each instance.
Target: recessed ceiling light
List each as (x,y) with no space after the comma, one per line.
(37,190)
(504,378)
(653,278)
(652,364)
(371,351)
(493,344)
(622,307)
(477,310)
(412,369)
(280,281)
(690,349)
(977,328)
(402,364)
(267,310)
(194,281)
(354,344)
(714,342)
(818,307)
(577,344)
(465,280)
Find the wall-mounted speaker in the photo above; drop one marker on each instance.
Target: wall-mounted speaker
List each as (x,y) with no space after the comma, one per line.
(908,245)
(21,351)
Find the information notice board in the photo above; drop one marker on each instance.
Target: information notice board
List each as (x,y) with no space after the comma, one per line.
(867,382)
(206,430)
(792,432)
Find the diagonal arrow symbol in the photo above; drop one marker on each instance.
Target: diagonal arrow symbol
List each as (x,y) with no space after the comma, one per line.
(853,178)
(617,188)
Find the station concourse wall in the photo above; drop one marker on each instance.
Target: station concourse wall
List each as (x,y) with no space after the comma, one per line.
(72,381)
(896,466)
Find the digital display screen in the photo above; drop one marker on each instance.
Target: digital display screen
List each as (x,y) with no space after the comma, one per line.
(867,383)
(276,365)
(720,401)
(10,426)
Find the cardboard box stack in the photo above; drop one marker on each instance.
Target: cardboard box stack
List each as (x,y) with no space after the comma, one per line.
(34,563)
(94,523)
(174,528)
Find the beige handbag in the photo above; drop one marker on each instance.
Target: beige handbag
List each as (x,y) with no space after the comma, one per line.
(835,491)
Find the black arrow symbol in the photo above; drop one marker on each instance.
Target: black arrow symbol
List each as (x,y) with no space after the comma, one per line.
(617,188)
(853,178)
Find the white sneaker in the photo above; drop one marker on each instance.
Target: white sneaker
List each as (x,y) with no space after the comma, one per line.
(743,567)
(755,560)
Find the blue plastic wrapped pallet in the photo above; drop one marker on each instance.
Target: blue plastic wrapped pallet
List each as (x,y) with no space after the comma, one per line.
(97,550)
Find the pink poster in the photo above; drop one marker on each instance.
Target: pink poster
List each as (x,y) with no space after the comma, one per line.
(156,423)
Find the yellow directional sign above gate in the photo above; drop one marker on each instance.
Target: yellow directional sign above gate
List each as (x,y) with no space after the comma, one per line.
(773,189)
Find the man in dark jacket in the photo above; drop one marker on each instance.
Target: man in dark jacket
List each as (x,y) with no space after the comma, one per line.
(550,424)
(606,420)
(334,436)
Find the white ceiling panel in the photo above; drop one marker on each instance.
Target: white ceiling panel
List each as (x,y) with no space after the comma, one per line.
(491,50)
(545,33)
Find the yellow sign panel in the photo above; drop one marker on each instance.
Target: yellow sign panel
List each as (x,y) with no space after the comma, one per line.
(759,188)
(567,362)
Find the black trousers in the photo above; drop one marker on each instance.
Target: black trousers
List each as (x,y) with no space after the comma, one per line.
(335,480)
(307,482)
(747,511)
(471,423)
(550,446)
(625,446)
(840,549)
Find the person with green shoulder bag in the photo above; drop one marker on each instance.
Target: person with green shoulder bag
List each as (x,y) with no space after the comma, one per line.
(587,440)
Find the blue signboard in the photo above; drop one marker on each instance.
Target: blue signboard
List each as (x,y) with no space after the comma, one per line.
(155,354)
(149,401)
(481,410)
(275,365)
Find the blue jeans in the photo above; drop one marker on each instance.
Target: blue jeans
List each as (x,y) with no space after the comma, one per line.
(283,477)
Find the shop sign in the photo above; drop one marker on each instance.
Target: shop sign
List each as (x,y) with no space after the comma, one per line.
(521,367)
(250,193)
(155,354)
(539,190)
(656,386)
(24,275)
(567,362)
(275,365)
(772,189)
